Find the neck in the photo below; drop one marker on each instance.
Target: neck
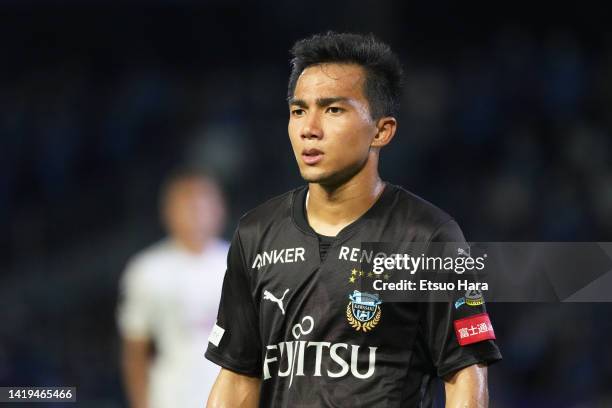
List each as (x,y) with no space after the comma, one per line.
(330,209)
(192,246)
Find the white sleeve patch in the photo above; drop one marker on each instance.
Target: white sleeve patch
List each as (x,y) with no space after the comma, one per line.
(216,335)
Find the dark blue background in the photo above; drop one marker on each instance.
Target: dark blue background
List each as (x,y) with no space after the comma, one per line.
(505,124)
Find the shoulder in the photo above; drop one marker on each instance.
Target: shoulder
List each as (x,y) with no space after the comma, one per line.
(146,260)
(274,212)
(221,245)
(424,218)
(218,250)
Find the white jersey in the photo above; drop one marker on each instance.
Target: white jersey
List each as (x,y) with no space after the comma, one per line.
(171,296)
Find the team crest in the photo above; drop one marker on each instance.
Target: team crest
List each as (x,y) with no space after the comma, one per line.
(474,298)
(471,298)
(363,311)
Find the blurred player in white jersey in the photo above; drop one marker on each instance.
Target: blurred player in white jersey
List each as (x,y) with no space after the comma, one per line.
(169,295)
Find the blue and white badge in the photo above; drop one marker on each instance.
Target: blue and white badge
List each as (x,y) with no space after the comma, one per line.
(363,311)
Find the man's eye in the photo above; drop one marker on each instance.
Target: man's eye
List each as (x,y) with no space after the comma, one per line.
(297,112)
(335,109)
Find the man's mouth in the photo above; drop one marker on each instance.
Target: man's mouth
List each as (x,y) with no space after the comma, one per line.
(312,156)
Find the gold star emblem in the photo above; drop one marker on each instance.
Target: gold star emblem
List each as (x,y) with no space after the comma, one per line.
(370,274)
(354,272)
(352,279)
(360,273)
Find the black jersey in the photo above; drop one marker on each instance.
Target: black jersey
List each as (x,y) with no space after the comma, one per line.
(284,314)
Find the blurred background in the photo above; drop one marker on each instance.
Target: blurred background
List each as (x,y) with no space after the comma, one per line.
(506,124)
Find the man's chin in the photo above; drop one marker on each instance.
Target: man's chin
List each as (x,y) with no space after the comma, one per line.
(314,179)
(324,179)
(329,178)
(310,176)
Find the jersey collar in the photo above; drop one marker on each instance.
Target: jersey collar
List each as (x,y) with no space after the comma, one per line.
(298,211)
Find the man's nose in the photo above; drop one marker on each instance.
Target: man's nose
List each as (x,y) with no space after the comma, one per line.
(312,127)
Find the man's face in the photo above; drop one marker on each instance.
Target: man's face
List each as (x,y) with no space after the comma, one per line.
(330,126)
(193,211)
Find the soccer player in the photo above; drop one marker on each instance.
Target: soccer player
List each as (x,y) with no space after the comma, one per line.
(169,298)
(292,330)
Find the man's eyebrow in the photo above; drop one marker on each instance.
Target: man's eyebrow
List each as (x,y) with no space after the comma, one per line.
(298,102)
(321,102)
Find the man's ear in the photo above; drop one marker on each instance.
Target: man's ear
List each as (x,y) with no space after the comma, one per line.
(386,127)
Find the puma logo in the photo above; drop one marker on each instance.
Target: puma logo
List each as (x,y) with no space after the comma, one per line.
(269,296)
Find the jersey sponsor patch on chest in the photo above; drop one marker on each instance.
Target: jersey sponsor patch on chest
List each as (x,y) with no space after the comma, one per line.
(473,329)
(285,255)
(305,357)
(356,254)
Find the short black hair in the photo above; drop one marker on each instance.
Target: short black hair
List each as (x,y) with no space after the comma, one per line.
(382,87)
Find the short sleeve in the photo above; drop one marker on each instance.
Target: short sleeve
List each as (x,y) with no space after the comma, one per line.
(235,339)
(446,322)
(134,314)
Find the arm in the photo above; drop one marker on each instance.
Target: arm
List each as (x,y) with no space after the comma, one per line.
(233,390)
(135,359)
(467,388)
